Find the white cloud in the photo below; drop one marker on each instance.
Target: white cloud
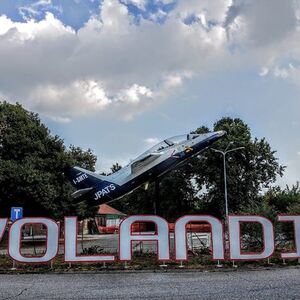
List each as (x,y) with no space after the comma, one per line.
(151,141)
(12,33)
(141,4)
(289,72)
(281,72)
(206,10)
(80,97)
(61,119)
(264,71)
(109,63)
(262,22)
(138,3)
(134,94)
(113,65)
(34,9)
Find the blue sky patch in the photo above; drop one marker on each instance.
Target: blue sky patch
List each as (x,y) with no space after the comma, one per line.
(75,13)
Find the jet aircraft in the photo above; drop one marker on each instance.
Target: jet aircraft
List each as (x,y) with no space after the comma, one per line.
(152,164)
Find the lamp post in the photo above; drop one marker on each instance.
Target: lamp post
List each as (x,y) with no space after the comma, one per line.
(224,168)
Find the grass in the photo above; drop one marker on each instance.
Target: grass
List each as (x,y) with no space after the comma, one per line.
(139,262)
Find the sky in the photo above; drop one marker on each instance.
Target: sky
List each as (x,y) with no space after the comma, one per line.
(117,76)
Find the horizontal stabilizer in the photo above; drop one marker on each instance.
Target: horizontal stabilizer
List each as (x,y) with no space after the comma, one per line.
(81,192)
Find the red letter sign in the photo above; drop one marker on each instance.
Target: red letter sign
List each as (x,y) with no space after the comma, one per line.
(180,236)
(162,236)
(15,240)
(296,221)
(71,245)
(3,223)
(235,237)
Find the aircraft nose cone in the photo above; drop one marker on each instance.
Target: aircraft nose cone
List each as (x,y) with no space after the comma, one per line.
(221,132)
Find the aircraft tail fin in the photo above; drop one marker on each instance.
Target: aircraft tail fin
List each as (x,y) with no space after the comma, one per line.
(83,179)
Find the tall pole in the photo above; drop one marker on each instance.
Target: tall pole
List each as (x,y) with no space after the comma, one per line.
(225,185)
(156,204)
(225,173)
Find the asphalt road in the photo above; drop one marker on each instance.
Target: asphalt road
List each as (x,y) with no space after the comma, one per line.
(263,284)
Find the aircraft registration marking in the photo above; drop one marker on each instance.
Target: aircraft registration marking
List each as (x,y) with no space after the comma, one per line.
(80,178)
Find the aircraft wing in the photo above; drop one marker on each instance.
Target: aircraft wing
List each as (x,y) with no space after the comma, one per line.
(144,161)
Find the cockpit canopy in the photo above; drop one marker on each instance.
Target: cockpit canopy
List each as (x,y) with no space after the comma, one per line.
(175,140)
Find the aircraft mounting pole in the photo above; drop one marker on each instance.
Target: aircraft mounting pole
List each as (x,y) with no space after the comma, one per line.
(157,198)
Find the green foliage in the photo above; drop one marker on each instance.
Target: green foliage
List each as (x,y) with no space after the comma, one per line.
(198,185)
(32,162)
(83,158)
(284,201)
(274,202)
(249,170)
(93,250)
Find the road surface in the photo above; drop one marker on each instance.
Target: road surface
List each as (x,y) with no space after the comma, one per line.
(263,284)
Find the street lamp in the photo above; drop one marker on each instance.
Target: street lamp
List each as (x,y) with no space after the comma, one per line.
(224,166)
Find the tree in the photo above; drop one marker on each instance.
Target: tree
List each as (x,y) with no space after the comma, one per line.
(274,202)
(32,161)
(248,171)
(198,185)
(83,158)
(284,201)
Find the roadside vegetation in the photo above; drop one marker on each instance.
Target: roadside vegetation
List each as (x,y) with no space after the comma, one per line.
(32,163)
(145,262)
(33,160)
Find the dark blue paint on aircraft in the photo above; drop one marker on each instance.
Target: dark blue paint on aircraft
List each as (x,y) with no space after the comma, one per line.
(166,155)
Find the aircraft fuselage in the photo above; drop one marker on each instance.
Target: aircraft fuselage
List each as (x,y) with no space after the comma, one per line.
(150,165)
